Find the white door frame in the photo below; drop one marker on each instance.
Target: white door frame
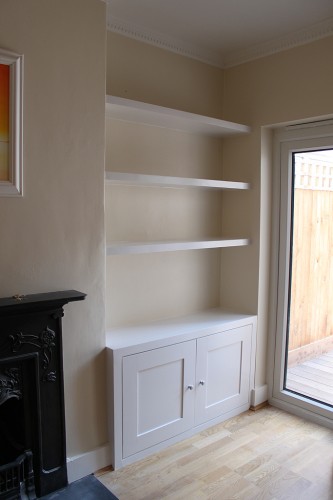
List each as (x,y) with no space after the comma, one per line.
(288,140)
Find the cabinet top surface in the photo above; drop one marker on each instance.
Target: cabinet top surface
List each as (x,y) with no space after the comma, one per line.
(152,335)
(150,114)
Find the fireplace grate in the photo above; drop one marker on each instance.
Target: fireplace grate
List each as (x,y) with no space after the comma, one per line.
(17,479)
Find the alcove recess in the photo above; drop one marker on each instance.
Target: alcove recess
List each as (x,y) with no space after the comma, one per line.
(164,191)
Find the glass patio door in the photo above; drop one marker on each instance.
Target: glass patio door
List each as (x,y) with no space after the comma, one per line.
(302,378)
(309,348)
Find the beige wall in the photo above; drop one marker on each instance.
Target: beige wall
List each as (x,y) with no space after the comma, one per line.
(293,85)
(142,72)
(53,238)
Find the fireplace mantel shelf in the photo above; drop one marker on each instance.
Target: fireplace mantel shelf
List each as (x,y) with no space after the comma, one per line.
(22,302)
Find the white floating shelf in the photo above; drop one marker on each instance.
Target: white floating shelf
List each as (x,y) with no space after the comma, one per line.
(129,179)
(150,114)
(173,246)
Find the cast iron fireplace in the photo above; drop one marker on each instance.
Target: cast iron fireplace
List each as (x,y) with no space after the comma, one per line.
(32,416)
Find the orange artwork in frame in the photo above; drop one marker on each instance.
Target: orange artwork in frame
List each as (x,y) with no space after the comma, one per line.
(11,76)
(4,122)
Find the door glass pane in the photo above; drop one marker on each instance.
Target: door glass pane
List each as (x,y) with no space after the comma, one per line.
(309,352)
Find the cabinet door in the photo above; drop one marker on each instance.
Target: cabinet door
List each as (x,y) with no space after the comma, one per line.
(223,373)
(158,395)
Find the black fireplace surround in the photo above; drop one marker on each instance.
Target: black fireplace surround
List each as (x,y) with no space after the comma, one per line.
(32,416)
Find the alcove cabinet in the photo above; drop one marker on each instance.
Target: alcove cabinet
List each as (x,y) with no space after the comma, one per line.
(177,361)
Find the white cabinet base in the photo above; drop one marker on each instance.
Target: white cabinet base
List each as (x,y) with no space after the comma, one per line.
(170,380)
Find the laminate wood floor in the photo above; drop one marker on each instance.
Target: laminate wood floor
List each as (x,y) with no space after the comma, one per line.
(313,378)
(262,455)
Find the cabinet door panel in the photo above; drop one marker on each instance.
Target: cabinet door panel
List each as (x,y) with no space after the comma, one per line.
(157,403)
(223,372)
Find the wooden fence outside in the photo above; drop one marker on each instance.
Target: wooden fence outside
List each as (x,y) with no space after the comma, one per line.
(311,311)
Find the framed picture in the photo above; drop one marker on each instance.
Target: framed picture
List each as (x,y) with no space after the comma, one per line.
(11,77)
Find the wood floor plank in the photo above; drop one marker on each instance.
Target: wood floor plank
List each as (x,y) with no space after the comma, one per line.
(263,455)
(228,485)
(300,378)
(313,378)
(315,365)
(320,396)
(313,373)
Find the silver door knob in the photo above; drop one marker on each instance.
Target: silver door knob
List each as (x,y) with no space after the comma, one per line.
(202,382)
(190,387)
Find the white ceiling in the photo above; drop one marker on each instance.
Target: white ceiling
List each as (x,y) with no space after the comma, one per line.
(222,32)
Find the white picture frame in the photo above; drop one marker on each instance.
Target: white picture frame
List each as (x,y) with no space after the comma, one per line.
(12,184)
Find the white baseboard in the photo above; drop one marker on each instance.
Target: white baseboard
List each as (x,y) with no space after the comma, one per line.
(259,395)
(87,463)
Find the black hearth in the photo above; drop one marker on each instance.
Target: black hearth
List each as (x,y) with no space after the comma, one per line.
(32,417)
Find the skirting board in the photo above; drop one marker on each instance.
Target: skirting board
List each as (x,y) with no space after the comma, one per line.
(81,465)
(259,395)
